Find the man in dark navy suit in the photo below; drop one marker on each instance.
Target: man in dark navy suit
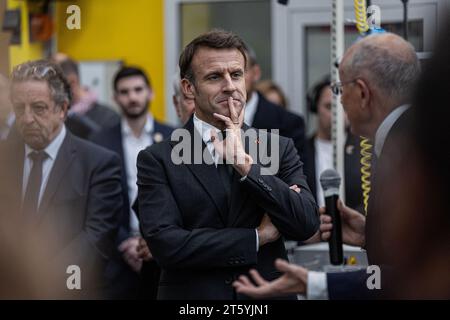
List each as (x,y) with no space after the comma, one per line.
(206,221)
(137,130)
(377,76)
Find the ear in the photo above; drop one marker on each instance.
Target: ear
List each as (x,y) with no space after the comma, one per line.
(64,109)
(187,88)
(364,92)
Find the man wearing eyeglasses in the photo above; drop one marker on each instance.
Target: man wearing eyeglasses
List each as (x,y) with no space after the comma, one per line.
(59,184)
(377,76)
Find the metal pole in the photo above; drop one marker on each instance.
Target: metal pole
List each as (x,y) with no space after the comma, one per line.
(338,126)
(405,19)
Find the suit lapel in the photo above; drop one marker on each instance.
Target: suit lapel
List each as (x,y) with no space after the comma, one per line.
(206,174)
(63,160)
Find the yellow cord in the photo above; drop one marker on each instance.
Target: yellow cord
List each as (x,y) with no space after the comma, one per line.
(366,147)
(360,15)
(366,158)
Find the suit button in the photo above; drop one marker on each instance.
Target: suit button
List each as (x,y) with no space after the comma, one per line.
(260,180)
(229,280)
(269,188)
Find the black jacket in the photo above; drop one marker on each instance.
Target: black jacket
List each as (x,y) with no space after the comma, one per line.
(202,241)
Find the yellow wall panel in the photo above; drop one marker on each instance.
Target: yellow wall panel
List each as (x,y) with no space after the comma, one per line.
(131,31)
(25,51)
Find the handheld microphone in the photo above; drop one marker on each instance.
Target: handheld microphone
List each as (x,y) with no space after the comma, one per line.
(330,181)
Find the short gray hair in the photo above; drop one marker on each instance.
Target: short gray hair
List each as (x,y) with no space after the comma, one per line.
(44,70)
(394,74)
(176,84)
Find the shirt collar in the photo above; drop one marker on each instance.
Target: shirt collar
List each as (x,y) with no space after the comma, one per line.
(52,149)
(385,127)
(148,127)
(250,108)
(204,129)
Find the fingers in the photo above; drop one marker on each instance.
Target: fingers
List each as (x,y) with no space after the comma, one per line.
(295,270)
(227,121)
(233,114)
(257,277)
(282,265)
(125,245)
(324,218)
(245,286)
(322,210)
(242,114)
(325,227)
(295,188)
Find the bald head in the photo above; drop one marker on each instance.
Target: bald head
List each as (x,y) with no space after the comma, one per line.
(386,61)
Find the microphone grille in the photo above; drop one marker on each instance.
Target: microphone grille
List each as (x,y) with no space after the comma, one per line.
(330,178)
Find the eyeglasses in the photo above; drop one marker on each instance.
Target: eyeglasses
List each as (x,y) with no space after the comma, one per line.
(336,87)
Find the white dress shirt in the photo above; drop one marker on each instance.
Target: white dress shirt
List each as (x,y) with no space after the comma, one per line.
(132,145)
(204,129)
(317,287)
(52,151)
(250,108)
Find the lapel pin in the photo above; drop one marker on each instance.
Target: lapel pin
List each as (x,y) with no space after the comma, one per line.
(157,137)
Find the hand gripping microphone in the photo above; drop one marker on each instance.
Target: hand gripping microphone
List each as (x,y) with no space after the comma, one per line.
(330,181)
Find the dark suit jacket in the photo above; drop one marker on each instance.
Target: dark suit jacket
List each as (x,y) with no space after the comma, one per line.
(81,126)
(200,244)
(81,204)
(125,282)
(352,285)
(104,116)
(271,116)
(352,167)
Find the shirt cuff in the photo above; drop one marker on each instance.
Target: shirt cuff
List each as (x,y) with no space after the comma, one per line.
(257,241)
(317,288)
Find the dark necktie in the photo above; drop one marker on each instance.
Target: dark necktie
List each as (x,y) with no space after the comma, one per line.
(31,198)
(226,173)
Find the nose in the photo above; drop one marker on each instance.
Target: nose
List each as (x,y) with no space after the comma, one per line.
(229,85)
(132,95)
(27,116)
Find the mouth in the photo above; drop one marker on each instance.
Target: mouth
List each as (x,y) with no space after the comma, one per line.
(225,101)
(31,132)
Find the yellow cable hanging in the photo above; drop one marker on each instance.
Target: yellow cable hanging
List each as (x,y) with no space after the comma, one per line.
(366,158)
(360,15)
(366,147)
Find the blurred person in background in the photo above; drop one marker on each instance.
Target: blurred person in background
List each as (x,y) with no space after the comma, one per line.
(137,130)
(6,114)
(272,92)
(58,184)
(263,114)
(319,149)
(184,106)
(84,100)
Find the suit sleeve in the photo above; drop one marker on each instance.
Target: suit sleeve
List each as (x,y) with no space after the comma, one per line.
(94,244)
(172,245)
(355,284)
(294,214)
